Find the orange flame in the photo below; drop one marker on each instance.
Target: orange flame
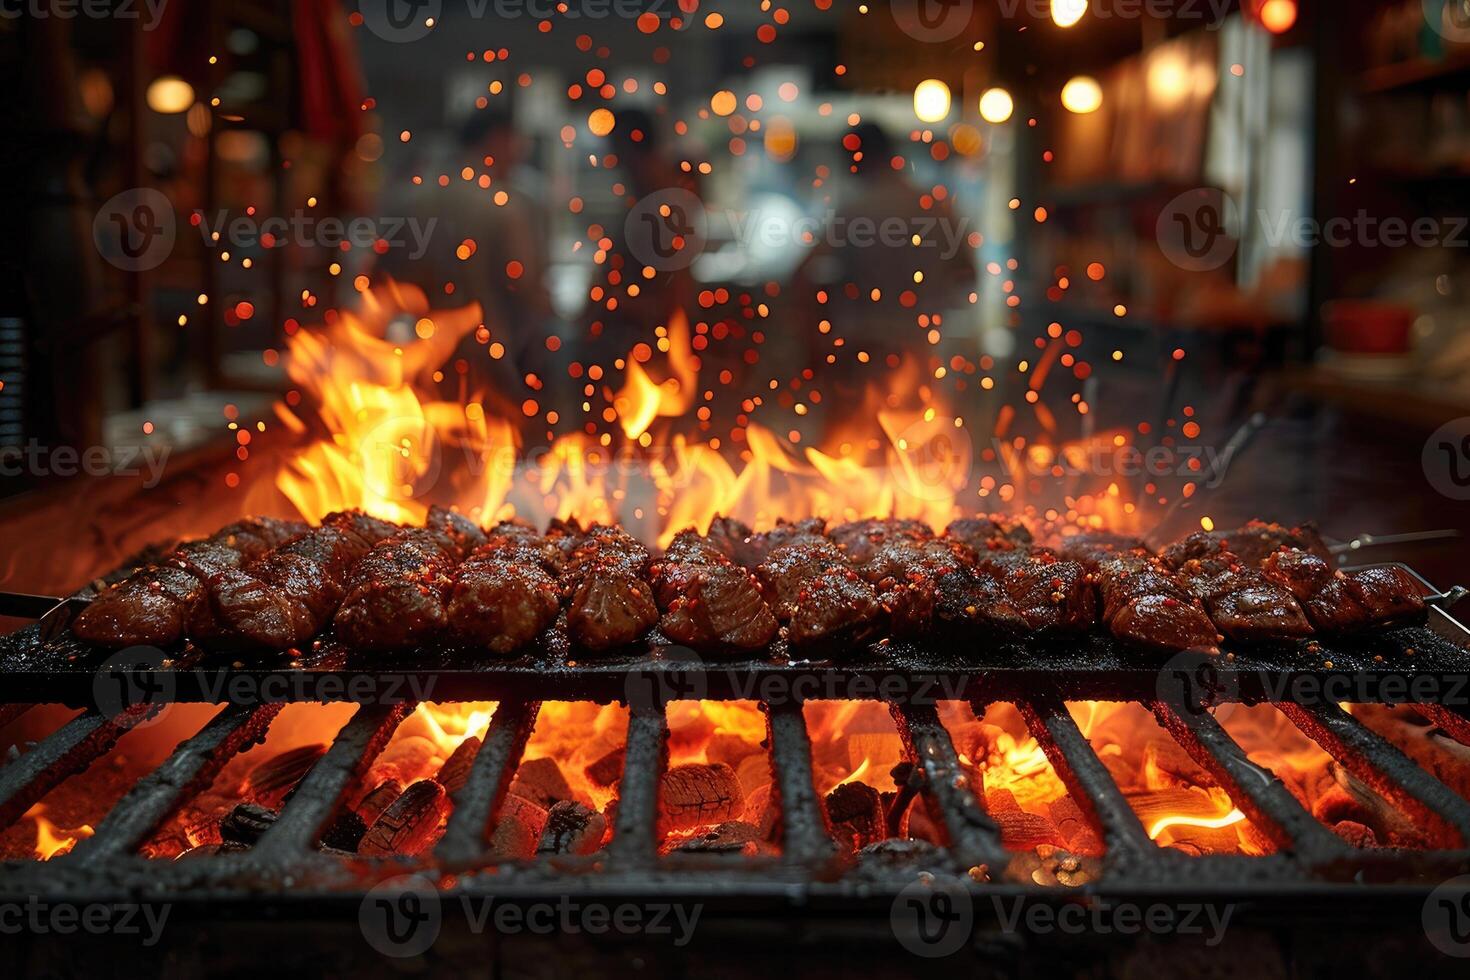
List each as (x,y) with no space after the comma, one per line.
(51,840)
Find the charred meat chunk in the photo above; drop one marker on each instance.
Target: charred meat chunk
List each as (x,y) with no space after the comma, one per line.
(397,594)
(1251,543)
(859,540)
(1145,604)
(1347,602)
(819,597)
(506,592)
(1092,548)
(1245,605)
(151,606)
(709,603)
(756,548)
(609,602)
(728,536)
(984,534)
(284,598)
(934,585)
(1051,593)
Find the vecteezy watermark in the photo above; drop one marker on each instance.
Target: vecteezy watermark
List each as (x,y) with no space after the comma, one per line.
(136,231)
(150,12)
(933,917)
(947,234)
(1446,917)
(401,21)
(34,459)
(666,230)
(1446,459)
(132,680)
(1449,18)
(38,917)
(1200,229)
(403,917)
(1211,14)
(1201,462)
(932,21)
(1095,916)
(678,674)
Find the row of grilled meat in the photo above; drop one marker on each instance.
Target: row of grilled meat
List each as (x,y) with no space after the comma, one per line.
(274,585)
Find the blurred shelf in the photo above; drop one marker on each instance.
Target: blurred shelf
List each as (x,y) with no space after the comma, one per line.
(1419,73)
(1410,400)
(1110,192)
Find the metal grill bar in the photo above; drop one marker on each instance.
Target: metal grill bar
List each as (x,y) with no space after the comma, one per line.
(1260,794)
(805,838)
(1086,778)
(191,767)
(488,782)
(1454,723)
(316,797)
(70,749)
(1377,762)
(633,843)
(974,837)
(10,712)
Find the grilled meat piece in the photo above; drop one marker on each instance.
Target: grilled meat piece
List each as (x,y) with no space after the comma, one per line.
(1092,548)
(932,585)
(984,534)
(1050,592)
(609,603)
(728,535)
(564,535)
(397,595)
(151,606)
(860,540)
(709,603)
(1146,604)
(1251,543)
(756,548)
(506,592)
(282,599)
(1245,605)
(1347,602)
(823,602)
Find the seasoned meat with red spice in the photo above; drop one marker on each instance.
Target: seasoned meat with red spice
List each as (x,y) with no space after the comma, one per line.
(728,536)
(151,606)
(397,594)
(1251,543)
(284,598)
(709,603)
(1051,593)
(933,585)
(609,601)
(860,540)
(984,534)
(1347,602)
(1145,604)
(820,598)
(1245,605)
(1092,548)
(756,548)
(506,592)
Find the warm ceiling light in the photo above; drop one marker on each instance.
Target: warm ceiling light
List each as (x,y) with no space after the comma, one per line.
(996,105)
(1065,13)
(1277,16)
(931,100)
(170,94)
(1082,94)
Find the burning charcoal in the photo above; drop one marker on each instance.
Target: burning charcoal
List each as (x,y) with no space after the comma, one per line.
(541,782)
(606,770)
(344,833)
(1165,758)
(572,828)
(518,828)
(855,811)
(212,850)
(761,811)
(753,772)
(698,795)
(904,854)
(1020,830)
(1356,834)
(271,780)
(410,823)
(1075,828)
(246,823)
(371,806)
(730,837)
(609,602)
(910,780)
(456,768)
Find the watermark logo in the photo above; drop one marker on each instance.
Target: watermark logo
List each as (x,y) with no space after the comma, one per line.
(1192,677)
(1449,18)
(932,21)
(150,12)
(402,916)
(400,21)
(666,230)
(1446,459)
(932,917)
(1193,229)
(677,675)
(933,458)
(37,917)
(130,678)
(1211,13)
(135,230)
(1104,917)
(402,457)
(1446,917)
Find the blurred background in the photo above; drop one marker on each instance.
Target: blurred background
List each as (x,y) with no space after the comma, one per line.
(1190,221)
